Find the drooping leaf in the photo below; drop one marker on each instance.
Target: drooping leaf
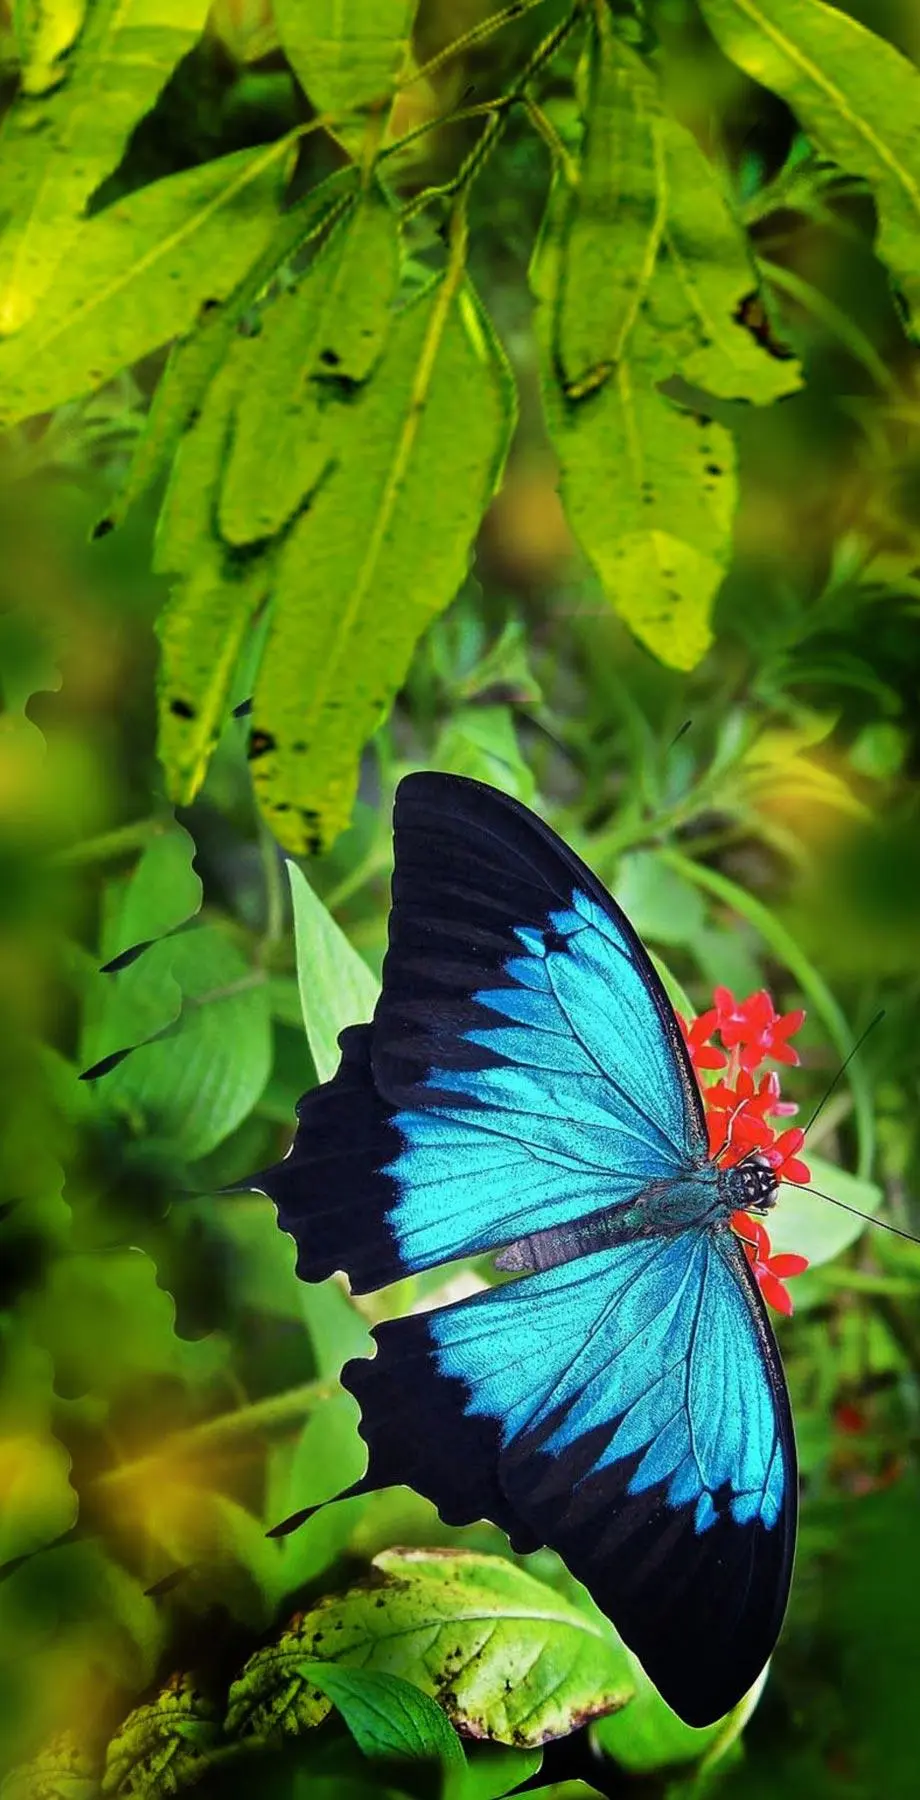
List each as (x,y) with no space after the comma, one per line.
(195,359)
(614,218)
(661,541)
(703,273)
(138,275)
(389,1718)
(345,57)
(382,550)
(163,892)
(207,618)
(856,96)
(336,985)
(317,344)
(507,1657)
(492,1770)
(160,1748)
(56,147)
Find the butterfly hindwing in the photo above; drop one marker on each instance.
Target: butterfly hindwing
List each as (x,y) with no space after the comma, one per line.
(632,1414)
(523,1068)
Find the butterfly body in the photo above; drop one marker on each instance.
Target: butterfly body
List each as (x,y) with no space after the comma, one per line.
(523,1089)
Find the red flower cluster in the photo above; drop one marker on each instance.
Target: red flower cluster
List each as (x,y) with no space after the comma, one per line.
(740,1105)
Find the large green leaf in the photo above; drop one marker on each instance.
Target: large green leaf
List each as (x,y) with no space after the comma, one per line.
(389,1718)
(647,1735)
(507,1657)
(56,147)
(138,274)
(380,552)
(38,1501)
(661,541)
(615,218)
(196,358)
(336,985)
(317,343)
(856,96)
(345,56)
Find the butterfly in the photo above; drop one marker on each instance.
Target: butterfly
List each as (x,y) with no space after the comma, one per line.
(524,1088)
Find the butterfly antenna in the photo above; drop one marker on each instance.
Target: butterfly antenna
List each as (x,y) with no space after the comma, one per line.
(842,1071)
(870,1218)
(679,734)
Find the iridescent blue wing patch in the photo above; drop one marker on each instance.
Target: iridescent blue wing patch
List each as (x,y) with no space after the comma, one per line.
(631,1409)
(523,1069)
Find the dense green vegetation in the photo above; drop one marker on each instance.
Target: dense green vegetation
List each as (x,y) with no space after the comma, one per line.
(495,390)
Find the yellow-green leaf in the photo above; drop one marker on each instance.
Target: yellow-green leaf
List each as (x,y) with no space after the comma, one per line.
(659,535)
(203,626)
(57,147)
(138,275)
(317,343)
(703,273)
(195,359)
(345,55)
(509,1658)
(615,216)
(856,96)
(380,552)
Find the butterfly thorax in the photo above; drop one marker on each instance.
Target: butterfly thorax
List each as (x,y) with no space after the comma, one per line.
(706,1195)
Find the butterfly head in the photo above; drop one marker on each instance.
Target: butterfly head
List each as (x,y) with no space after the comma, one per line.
(750,1186)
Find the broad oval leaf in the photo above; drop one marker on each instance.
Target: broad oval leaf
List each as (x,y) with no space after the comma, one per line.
(647,1735)
(380,552)
(163,1745)
(506,1657)
(336,985)
(856,96)
(56,147)
(138,273)
(389,1718)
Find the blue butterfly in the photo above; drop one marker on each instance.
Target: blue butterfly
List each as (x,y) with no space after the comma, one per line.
(524,1087)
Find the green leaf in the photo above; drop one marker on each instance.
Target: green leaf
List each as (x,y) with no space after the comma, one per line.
(508,1658)
(481,742)
(647,1735)
(317,344)
(662,539)
(164,891)
(703,272)
(107,1324)
(856,96)
(206,621)
(162,1747)
(194,1087)
(61,1771)
(388,1717)
(615,216)
(379,553)
(139,273)
(56,148)
(345,57)
(336,985)
(811,1227)
(195,359)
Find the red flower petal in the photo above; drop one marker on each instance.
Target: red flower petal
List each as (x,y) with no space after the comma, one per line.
(796,1171)
(775,1294)
(787,1263)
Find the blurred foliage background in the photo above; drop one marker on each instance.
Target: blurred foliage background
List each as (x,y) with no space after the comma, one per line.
(167,1389)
